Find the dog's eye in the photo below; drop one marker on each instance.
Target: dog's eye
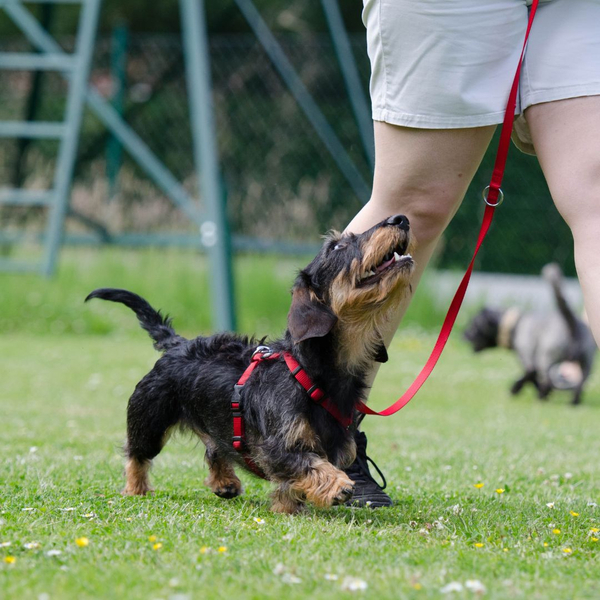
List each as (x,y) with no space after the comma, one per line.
(339,246)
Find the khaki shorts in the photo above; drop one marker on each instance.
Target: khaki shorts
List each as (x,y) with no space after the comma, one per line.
(447,64)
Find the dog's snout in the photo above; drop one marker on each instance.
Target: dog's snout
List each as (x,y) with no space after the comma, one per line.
(400,221)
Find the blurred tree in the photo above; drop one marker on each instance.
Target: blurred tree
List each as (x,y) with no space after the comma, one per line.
(223,16)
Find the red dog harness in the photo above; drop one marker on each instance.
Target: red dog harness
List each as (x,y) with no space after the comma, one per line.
(315,393)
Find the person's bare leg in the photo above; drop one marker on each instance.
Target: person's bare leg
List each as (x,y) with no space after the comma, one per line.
(565,134)
(423,174)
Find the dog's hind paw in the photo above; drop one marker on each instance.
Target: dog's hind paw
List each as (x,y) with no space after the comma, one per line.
(228,491)
(227,487)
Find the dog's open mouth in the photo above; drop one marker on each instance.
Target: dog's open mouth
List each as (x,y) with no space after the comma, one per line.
(395,259)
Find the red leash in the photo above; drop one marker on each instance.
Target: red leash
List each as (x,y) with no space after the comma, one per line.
(493,197)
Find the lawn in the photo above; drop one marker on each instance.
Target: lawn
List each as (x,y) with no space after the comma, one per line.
(488,489)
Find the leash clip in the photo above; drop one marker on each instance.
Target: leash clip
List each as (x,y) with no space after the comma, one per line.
(484,195)
(262,352)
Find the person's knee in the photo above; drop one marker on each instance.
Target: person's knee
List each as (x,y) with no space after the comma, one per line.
(576,194)
(429,207)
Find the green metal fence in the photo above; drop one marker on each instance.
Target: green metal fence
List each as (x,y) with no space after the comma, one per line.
(284,185)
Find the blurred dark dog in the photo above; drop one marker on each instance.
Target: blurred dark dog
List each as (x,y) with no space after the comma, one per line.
(339,303)
(556,350)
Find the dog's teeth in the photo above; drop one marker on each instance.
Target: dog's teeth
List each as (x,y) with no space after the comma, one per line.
(396,257)
(367,274)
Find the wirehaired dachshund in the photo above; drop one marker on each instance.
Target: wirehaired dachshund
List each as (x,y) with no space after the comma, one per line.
(340,303)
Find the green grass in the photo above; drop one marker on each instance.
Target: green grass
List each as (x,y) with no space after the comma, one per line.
(62,410)
(176,281)
(63,393)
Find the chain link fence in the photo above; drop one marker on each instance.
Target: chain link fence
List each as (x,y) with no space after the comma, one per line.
(281,183)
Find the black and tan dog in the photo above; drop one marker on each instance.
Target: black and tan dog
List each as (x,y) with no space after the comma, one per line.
(339,303)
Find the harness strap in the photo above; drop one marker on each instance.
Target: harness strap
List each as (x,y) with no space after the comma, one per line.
(493,197)
(315,393)
(236,411)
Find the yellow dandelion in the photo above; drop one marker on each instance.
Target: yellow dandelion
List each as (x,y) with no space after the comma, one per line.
(82,542)
(10,560)
(594,530)
(478,545)
(478,485)
(594,539)
(567,550)
(500,491)
(545,544)
(152,538)
(574,514)
(204,549)
(417,586)
(504,549)
(556,531)
(222,549)
(157,546)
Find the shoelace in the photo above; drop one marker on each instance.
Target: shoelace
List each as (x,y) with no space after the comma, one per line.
(361,465)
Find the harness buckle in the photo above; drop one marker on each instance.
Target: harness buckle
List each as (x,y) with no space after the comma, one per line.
(262,352)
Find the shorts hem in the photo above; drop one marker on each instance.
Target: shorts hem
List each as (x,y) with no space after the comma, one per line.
(552,95)
(436,122)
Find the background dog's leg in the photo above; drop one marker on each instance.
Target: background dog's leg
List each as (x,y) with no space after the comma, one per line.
(544,389)
(577,395)
(221,479)
(517,386)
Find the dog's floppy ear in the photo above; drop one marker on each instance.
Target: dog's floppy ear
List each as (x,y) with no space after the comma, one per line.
(308,317)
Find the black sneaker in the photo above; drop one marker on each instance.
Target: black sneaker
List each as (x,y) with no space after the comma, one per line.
(367,492)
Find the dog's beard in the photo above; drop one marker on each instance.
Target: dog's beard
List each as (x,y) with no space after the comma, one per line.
(363,312)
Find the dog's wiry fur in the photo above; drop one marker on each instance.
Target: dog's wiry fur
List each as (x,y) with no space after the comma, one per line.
(339,303)
(544,343)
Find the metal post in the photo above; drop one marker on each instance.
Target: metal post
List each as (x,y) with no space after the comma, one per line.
(356,93)
(118,70)
(214,231)
(138,149)
(88,21)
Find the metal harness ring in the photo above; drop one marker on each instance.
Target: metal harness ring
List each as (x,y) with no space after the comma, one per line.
(484,195)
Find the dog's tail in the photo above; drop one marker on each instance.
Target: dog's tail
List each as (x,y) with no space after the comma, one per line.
(553,274)
(151,320)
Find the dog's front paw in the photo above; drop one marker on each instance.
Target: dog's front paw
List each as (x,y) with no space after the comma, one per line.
(344,494)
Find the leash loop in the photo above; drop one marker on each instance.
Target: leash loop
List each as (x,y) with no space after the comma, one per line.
(485,195)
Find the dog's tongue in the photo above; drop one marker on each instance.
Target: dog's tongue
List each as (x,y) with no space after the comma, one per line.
(384,265)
